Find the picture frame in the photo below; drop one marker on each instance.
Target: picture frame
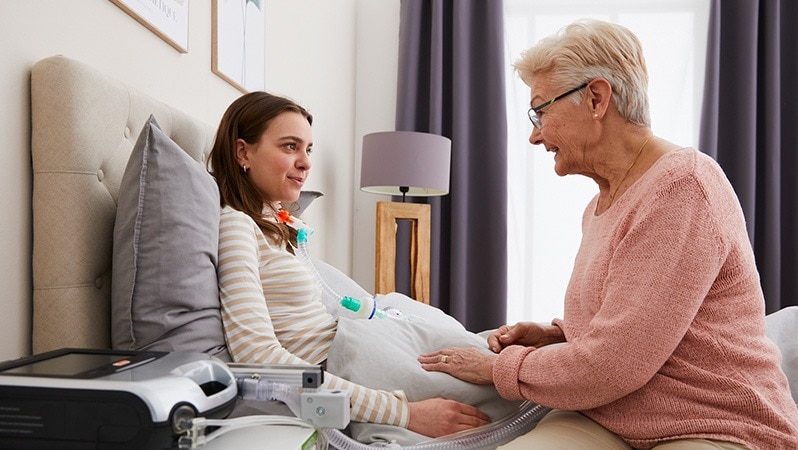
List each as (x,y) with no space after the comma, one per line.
(238,47)
(168,19)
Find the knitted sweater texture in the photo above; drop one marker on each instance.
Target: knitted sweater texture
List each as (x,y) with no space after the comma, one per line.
(664,320)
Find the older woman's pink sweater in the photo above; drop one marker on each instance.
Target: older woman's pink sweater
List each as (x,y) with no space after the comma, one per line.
(664,318)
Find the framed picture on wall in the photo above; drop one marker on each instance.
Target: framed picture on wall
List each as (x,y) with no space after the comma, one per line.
(168,19)
(238,45)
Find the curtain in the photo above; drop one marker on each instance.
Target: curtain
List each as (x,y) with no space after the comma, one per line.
(750,126)
(451,83)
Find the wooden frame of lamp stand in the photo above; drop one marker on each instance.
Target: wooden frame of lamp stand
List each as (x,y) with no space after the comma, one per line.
(385,259)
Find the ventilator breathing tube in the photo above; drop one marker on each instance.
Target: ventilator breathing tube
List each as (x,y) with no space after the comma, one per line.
(339,305)
(521,421)
(485,437)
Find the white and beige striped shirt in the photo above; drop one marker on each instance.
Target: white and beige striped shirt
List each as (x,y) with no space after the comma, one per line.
(273,314)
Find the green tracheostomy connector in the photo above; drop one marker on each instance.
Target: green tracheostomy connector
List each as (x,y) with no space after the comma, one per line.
(302,236)
(363,311)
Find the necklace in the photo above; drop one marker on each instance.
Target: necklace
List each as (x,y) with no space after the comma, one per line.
(639,152)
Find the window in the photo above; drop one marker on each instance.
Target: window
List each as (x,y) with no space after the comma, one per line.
(545,211)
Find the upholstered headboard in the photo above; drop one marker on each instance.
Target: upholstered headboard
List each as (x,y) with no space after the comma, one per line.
(84,126)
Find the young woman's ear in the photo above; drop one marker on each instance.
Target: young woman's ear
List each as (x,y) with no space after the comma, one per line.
(242,154)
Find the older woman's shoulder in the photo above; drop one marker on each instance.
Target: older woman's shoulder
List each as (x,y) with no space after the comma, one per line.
(686,161)
(705,167)
(690,167)
(687,164)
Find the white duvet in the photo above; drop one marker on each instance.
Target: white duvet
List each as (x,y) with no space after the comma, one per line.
(382,354)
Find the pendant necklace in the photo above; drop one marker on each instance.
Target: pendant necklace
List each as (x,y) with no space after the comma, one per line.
(639,152)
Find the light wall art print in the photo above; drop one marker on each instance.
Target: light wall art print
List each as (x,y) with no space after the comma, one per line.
(168,19)
(238,54)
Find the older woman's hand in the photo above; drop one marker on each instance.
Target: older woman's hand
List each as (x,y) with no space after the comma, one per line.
(468,364)
(530,334)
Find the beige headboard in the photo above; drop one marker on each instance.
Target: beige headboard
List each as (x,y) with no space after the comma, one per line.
(84,125)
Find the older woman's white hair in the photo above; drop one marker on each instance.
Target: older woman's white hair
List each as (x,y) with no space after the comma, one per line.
(590,49)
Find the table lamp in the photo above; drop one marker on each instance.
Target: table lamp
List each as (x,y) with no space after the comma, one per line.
(404,163)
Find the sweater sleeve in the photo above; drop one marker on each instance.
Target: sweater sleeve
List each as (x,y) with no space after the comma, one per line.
(250,332)
(636,287)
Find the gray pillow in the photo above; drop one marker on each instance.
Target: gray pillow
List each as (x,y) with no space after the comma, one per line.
(305,199)
(165,292)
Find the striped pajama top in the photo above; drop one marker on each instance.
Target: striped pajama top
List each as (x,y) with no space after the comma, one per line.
(273,314)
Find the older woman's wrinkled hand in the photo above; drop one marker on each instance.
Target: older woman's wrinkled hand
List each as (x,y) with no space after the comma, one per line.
(468,364)
(530,334)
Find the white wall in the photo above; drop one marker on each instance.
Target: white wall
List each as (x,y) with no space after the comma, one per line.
(315,50)
(375,110)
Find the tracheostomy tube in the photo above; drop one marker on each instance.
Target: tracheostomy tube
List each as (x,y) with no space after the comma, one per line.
(340,305)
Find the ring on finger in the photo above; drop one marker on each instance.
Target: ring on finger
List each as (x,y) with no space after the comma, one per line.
(444,358)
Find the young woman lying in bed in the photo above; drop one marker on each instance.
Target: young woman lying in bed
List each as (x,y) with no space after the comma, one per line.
(272,309)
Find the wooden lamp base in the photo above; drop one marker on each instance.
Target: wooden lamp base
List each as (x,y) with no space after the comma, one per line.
(385,262)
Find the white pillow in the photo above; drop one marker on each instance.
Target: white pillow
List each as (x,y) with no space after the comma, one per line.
(782,327)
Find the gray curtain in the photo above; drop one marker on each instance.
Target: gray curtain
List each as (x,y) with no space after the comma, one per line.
(451,83)
(750,126)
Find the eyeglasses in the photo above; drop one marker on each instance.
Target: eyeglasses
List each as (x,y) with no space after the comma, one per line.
(533,111)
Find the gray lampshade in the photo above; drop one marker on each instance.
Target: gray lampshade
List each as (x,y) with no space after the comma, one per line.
(418,161)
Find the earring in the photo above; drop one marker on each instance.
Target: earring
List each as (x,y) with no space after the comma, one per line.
(245,168)
(595,115)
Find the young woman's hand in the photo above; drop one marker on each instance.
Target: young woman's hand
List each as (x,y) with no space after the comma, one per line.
(436,417)
(530,334)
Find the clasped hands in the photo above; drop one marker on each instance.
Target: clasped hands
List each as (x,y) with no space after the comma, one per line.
(475,365)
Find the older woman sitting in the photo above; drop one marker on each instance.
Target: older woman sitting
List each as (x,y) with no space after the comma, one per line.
(664,324)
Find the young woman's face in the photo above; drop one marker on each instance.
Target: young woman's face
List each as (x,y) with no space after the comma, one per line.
(279,163)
